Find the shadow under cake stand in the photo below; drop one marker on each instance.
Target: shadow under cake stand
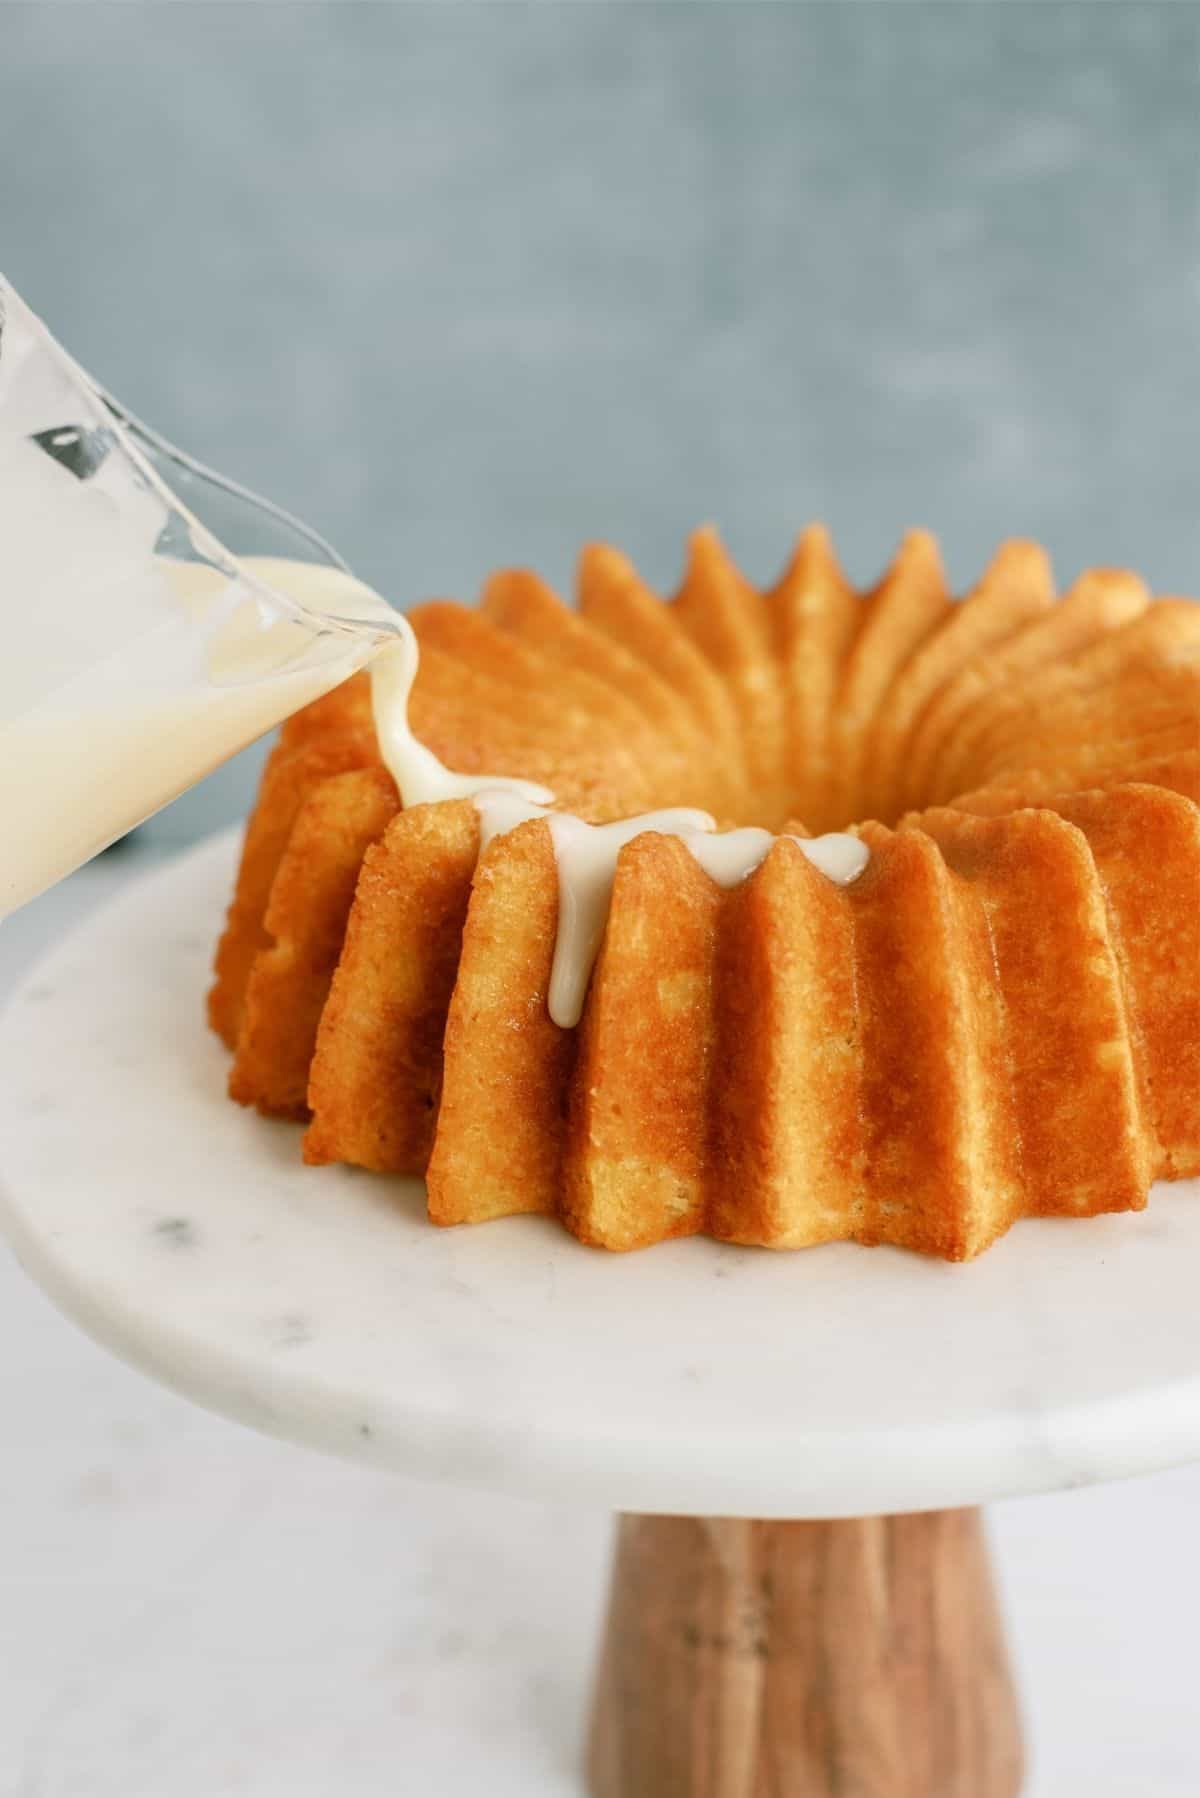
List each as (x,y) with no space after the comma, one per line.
(712,1395)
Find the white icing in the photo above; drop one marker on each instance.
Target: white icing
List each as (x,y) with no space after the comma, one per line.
(585,854)
(838,855)
(421,779)
(136,655)
(126,676)
(501,811)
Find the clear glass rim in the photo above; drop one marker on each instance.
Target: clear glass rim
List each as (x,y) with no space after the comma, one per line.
(130,434)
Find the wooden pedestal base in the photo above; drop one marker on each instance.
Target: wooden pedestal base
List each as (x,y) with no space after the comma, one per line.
(855,1659)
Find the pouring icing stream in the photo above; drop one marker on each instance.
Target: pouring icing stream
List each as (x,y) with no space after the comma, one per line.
(142,655)
(136,653)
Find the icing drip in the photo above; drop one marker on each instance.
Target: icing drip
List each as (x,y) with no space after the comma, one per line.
(587,865)
(420,778)
(585,854)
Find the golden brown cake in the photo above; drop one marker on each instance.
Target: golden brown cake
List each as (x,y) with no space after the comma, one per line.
(999,1017)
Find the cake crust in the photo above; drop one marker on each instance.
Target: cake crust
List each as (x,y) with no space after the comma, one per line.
(999,1018)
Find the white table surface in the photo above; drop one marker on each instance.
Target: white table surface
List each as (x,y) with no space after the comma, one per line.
(188,1610)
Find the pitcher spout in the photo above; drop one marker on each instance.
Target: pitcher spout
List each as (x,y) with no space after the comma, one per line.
(155,619)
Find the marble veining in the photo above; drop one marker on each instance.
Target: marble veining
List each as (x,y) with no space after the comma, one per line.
(694,1377)
(176,1232)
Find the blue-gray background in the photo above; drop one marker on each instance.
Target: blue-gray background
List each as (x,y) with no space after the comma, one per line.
(466,285)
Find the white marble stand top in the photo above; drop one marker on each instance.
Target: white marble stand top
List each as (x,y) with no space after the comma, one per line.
(319,1305)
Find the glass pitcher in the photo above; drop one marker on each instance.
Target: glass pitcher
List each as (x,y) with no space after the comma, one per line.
(137,651)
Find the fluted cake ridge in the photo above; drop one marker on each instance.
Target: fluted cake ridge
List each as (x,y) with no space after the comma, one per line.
(1000,1016)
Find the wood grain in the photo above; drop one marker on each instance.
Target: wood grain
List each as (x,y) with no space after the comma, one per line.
(856,1659)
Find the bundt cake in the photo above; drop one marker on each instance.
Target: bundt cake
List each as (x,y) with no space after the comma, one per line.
(982,1006)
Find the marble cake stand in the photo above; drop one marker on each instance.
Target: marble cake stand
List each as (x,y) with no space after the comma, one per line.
(692,1388)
